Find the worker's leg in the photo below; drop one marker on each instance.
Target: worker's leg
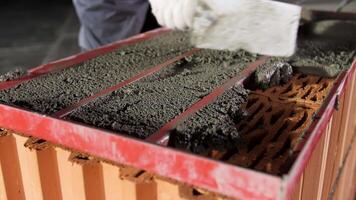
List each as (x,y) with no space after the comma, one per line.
(106,21)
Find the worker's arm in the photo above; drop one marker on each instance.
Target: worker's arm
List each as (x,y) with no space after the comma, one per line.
(175,14)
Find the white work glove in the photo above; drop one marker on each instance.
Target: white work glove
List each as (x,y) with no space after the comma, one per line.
(174,14)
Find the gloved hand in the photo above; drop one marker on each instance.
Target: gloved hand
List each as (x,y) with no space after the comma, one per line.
(174,14)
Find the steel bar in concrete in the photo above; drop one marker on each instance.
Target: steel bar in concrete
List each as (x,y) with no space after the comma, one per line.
(64,112)
(162,136)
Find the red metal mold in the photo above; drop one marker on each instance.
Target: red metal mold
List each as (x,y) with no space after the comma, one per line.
(213,175)
(76,59)
(162,136)
(202,172)
(62,113)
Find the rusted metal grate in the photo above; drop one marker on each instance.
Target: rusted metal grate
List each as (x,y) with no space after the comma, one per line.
(276,121)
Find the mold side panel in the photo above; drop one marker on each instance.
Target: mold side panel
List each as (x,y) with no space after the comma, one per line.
(297,192)
(71,177)
(333,157)
(313,172)
(345,187)
(10,167)
(112,183)
(93,181)
(347,121)
(49,173)
(167,190)
(2,186)
(28,164)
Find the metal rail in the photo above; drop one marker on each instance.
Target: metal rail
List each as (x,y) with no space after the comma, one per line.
(79,58)
(162,135)
(64,112)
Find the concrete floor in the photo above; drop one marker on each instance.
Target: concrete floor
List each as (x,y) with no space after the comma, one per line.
(38,31)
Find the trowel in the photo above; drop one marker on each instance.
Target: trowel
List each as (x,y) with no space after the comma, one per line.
(259,26)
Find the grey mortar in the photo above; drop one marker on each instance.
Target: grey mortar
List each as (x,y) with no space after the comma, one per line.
(142,108)
(274,72)
(326,49)
(17,73)
(55,91)
(214,126)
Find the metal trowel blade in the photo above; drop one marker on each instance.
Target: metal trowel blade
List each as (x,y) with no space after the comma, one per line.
(258,26)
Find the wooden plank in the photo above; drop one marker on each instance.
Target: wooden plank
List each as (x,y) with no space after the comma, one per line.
(10,166)
(93,181)
(344,188)
(351,125)
(353,104)
(167,190)
(137,184)
(29,169)
(324,160)
(112,182)
(138,191)
(334,151)
(71,177)
(297,193)
(346,132)
(49,173)
(3,195)
(313,171)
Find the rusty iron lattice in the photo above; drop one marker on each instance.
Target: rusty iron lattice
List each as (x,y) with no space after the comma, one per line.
(276,121)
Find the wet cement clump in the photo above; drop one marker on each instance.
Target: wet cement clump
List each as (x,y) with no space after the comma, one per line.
(214,126)
(142,108)
(50,93)
(15,74)
(274,72)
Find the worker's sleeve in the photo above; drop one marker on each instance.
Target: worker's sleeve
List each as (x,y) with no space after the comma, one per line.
(106,21)
(175,14)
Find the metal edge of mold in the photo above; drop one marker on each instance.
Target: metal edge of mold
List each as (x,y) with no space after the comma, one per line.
(162,135)
(64,112)
(316,130)
(81,57)
(202,172)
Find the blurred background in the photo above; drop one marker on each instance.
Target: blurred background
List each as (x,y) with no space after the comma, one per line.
(39,31)
(36,31)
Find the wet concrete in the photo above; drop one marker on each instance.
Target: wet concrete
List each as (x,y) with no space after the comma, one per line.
(213,127)
(55,91)
(274,72)
(145,106)
(12,75)
(324,49)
